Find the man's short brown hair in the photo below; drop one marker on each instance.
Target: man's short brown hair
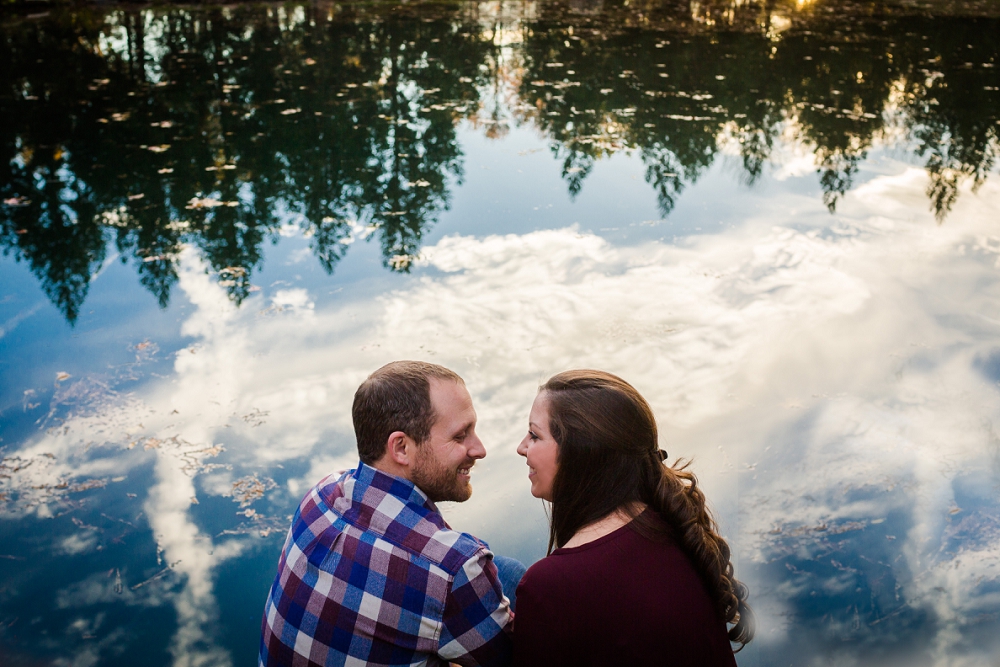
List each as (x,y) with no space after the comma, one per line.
(396,397)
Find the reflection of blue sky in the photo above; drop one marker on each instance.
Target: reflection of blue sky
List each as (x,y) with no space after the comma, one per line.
(833,377)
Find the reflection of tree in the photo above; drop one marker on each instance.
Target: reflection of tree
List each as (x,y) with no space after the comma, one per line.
(675,89)
(243,120)
(953,99)
(215,127)
(598,94)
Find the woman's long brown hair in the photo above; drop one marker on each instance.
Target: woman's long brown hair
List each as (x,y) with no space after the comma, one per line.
(609,460)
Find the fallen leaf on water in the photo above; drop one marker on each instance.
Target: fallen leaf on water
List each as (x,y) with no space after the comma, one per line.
(61,375)
(250,488)
(102,120)
(120,116)
(159,149)
(162,573)
(88,485)
(135,197)
(288,112)
(165,170)
(310,61)
(233,271)
(208,202)
(17,201)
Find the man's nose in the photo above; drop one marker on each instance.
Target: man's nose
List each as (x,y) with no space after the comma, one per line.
(478,449)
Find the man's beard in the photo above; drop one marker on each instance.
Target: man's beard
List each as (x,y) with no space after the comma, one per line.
(439,482)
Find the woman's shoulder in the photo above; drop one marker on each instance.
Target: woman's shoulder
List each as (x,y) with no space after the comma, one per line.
(544,569)
(559,571)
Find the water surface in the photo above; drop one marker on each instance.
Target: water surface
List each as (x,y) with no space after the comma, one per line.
(778,221)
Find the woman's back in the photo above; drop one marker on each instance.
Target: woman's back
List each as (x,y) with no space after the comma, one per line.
(622,599)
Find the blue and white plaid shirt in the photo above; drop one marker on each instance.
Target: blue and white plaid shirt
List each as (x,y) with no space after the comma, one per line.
(371,574)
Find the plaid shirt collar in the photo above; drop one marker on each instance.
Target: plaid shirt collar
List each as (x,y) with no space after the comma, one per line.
(376,501)
(366,477)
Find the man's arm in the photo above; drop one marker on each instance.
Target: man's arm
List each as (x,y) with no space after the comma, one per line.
(477,620)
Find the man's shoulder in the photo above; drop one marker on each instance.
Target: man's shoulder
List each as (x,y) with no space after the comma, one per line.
(456,549)
(429,539)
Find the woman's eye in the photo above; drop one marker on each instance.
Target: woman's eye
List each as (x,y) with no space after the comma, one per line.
(532,435)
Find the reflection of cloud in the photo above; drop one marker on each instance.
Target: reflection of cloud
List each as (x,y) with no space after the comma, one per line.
(77,543)
(846,327)
(193,555)
(826,373)
(92,648)
(12,323)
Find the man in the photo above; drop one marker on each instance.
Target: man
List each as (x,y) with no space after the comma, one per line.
(370,573)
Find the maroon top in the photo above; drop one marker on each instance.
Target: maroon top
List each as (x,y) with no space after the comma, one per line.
(622,599)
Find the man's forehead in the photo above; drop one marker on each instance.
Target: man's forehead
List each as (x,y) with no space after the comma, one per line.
(450,399)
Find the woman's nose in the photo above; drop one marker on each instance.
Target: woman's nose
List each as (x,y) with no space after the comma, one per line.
(522,449)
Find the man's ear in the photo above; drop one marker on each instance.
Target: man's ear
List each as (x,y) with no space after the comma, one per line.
(400,449)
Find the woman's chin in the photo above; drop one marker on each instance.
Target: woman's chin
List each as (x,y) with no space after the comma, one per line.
(538,493)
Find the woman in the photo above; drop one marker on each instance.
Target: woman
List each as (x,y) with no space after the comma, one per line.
(639,575)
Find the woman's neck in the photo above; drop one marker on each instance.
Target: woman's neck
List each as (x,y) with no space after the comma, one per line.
(605,526)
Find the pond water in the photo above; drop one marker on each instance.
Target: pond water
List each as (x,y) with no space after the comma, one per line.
(779,221)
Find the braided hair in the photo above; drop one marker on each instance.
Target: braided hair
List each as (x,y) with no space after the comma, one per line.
(609,461)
